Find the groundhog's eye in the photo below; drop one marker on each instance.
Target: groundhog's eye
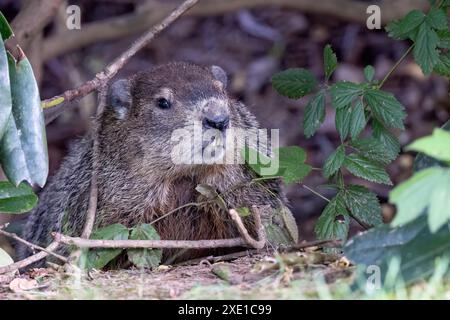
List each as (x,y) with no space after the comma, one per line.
(164,103)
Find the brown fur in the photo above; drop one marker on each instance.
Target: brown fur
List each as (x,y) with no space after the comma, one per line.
(137,182)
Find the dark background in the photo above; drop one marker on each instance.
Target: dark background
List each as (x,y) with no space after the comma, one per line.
(251,40)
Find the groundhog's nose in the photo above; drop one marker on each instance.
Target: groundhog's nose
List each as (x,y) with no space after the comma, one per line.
(217,122)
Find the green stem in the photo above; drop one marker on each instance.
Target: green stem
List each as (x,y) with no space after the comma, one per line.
(394,67)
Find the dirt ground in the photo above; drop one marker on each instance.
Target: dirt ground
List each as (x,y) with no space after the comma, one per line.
(293,275)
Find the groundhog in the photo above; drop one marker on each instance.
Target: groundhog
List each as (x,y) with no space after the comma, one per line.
(138,179)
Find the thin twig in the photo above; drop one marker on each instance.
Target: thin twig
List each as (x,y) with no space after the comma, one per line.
(315,192)
(31,245)
(315,243)
(394,67)
(215,259)
(30,260)
(257,244)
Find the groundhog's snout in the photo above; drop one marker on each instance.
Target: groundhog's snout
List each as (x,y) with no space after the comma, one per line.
(216,115)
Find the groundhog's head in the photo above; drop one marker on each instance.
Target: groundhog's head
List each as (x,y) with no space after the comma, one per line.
(178,114)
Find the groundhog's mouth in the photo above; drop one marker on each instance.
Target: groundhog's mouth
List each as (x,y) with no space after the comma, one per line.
(213,150)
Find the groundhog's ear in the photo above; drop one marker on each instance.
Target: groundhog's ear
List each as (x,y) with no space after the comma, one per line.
(220,75)
(119,97)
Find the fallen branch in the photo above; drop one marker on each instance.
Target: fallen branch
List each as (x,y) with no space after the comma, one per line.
(31,245)
(58,102)
(315,243)
(156,244)
(30,260)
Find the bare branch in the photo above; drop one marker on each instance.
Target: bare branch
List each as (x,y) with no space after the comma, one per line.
(31,245)
(30,260)
(161,244)
(257,244)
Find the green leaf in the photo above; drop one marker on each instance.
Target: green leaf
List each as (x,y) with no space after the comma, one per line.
(444,39)
(5,29)
(329,61)
(144,258)
(385,108)
(439,203)
(23,149)
(292,166)
(5,90)
(357,120)
(369,73)
(5,258)
(390,142)
(98,258)
(425,52)
(437,19)
(405,27)
(334,162)
(369,247)
(413,244)
(16,199)
(243,211)
(412,196)
(363,204)
(366,169)
(423,161)
(344,92)
(342,121)
(206,190)
(314,114)
(372,149)
(443,65)
(334,221)
(294,83)
(436,145)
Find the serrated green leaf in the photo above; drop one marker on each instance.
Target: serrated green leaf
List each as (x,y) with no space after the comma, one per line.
(334,162)
(5,29)
(5,258)
(243,211)
(436,145)
(294,83)
(23,148)
(425,48)
(437,19)
(366,169)
(369,73)
(314,114)
(412,196)
(99,258)
(443,65)
(5,90)
(290,166)
(342,121)
(334,221)
(363,204)
(385,108)
(144,258)
(404,28)
(357,120)
(329,61)
(343,93)
(390,142)
(16,199)
(372,149)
